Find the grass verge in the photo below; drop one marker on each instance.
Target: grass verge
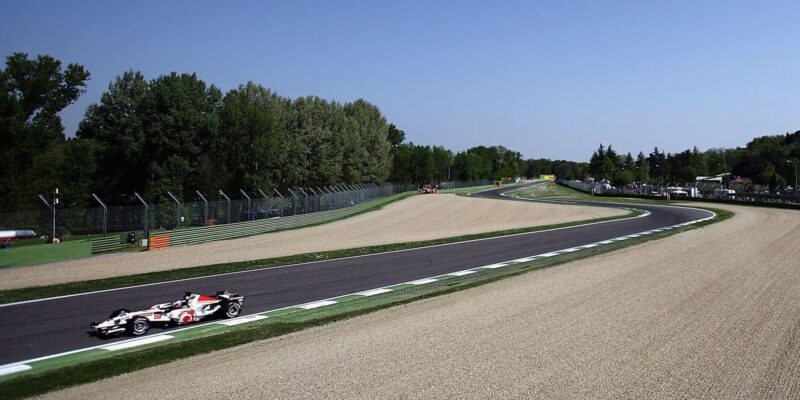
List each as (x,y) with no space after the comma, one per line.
(39,292)
(282,323)
(553,191)
(43,253)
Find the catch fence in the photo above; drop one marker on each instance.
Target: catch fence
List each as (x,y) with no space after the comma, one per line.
(700,191)
(199,213)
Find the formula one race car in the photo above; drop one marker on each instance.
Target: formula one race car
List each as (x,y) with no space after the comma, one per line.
(192,308)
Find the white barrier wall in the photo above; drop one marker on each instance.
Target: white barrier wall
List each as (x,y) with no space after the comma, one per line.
(586,186)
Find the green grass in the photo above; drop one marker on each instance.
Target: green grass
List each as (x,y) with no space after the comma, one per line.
(554,191)
(123,235)
(43,253)
(31,253)
(59,376)
(472,189)
(38,292)
(468,189)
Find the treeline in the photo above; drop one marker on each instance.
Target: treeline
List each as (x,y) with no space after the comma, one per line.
(768,160)
(175,133)
(178,134)
(436,164)
(562,169)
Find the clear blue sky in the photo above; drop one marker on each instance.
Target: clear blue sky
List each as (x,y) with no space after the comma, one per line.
(549,79)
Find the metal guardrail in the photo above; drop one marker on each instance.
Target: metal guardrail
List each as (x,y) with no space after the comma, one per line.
(103,244)
(198,235)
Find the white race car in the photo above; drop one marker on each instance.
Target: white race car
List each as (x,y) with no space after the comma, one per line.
(192,308)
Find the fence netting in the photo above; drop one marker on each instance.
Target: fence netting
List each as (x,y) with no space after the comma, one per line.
(195,212)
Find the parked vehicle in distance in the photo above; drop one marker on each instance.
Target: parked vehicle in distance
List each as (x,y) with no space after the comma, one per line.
(724,193)
(261,213)
(8,237)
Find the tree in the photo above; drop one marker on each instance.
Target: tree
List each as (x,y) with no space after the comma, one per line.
(657,165)
(622,177)
(628,163)
(33,93)
(373,131)
(395,136)
(252,139)
(156,136)
(642,168)
(116,125)
(536,167)
(597,162)
(442,159)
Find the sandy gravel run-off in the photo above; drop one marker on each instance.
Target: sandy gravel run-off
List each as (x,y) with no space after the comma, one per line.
(710,313)
(414,219)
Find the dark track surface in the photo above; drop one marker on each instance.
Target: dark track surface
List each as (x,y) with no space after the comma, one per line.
(47,327)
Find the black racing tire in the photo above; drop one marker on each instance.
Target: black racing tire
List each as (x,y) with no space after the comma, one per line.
(138,326)
(231,310)
(116,313)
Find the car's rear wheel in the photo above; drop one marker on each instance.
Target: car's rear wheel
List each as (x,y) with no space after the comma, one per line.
(232,310)
(139,326)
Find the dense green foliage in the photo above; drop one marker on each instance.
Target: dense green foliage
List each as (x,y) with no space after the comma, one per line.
(766,160)
(178,134)
(175,133)
(34,154)
(562,169)
(494,162)
(415,163)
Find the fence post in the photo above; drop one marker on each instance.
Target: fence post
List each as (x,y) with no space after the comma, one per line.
(146,218)
(55,203)
(229,204)
(105,212)
(266,200)
(205,210)
(317,201)
(294,201)
(305,201)
(53,209)
(281,196)
(46,203)
(249,214)
(321,199)
(177,209)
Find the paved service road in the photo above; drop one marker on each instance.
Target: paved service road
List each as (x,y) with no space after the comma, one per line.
(41,328)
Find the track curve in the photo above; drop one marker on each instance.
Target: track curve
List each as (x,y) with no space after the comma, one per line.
(39,328)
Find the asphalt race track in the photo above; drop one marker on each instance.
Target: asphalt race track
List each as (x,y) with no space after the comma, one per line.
(40,328)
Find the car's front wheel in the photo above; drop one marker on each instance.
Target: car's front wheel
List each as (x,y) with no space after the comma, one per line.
(139,326)
(232,310)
